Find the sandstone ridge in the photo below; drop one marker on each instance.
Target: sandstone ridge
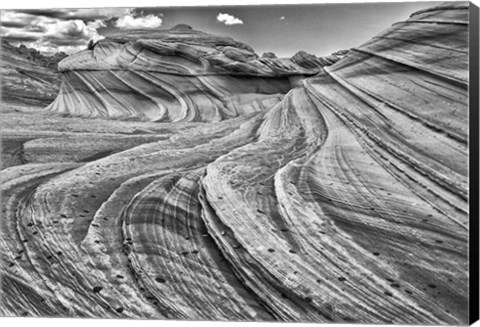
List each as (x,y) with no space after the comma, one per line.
(178,74)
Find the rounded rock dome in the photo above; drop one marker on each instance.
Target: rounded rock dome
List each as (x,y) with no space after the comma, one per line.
(180,27)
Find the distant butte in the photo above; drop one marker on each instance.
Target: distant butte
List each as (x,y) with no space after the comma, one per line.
(180,27)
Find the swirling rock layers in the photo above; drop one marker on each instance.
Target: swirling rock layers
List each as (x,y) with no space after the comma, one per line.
(343,199)
(176,75)
(28,78)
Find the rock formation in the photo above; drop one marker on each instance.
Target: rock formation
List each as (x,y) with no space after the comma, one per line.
(343,199)
(28,77)
(176,75)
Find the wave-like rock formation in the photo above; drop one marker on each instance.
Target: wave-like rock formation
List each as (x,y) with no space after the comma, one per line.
(343,199)
(176,75)
(28,77)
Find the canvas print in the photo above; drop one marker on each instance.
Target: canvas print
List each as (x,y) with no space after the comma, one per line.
(295,163)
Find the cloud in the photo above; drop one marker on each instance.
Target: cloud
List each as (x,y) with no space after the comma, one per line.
(68,30)
(82,14)
(49,33)
(18,19)
(13,24)
(99,13)
(131,22)
(228,19)
(52,13)
(19,38)
(74,30)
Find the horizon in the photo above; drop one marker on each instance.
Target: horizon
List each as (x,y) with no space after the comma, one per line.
(281,29)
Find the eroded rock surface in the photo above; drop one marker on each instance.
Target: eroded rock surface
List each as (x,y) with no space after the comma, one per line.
(28,77)
(343,199)
(176,75)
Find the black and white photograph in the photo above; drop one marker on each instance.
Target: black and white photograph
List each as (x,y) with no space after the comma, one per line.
(288,162)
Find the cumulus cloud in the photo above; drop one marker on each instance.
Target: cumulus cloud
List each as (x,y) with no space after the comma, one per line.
(68,30)
(51,31)
(228,19)
(131,22)
(74,30)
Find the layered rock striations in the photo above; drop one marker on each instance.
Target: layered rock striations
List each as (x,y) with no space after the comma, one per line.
(28,77)
(176,75)
(342,200)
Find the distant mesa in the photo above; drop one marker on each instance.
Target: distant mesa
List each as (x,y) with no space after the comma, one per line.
(180,27)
